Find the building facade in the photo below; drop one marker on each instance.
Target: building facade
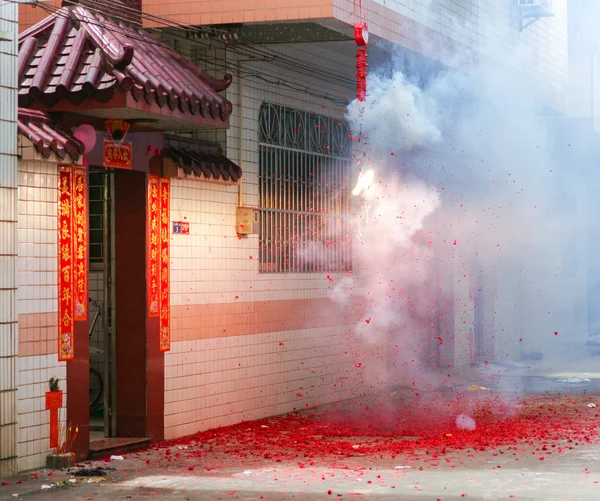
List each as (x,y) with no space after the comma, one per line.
(8,241)
(256,237)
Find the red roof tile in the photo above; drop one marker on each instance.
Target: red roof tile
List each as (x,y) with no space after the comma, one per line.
(46,136)
(78,53)
(201,159)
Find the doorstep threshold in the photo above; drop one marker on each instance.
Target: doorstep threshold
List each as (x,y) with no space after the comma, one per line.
(113,445)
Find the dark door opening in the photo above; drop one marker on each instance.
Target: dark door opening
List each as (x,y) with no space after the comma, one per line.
(124,361)
(101,279)
(132,340)
(118,321)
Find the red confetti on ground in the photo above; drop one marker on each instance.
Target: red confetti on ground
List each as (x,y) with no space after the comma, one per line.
(412,426)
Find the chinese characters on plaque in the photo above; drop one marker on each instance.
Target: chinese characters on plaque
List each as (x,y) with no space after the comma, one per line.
(117,155)
(72,256)
(158,256)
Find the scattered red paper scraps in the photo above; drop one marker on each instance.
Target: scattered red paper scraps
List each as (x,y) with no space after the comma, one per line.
(414,427)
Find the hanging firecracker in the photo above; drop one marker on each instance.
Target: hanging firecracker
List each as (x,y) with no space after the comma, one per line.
(361,37)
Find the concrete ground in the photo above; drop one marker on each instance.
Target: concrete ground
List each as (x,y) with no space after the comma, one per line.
(223,465)
(574,476)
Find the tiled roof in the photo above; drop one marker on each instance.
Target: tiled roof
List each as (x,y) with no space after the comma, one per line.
(77,53)
(202,159)
(44,134)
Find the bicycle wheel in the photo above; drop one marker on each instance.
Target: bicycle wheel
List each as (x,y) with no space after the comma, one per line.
(96,388)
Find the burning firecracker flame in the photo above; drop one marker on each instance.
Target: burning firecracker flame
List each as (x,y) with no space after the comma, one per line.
(365,178)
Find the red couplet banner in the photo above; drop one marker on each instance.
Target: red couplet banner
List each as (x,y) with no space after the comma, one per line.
(66,326)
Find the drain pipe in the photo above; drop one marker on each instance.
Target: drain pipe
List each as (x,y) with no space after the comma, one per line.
(241,133)
(241,123)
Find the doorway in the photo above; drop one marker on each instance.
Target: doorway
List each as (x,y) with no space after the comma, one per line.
(124,360)
(101,279)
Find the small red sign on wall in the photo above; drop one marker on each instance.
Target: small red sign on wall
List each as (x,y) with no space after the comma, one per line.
(117,155)
(54,401)
(181,228)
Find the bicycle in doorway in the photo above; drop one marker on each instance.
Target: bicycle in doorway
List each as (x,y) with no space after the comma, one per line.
(96,381)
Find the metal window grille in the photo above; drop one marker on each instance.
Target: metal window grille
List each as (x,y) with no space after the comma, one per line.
(96,182)
(304,192)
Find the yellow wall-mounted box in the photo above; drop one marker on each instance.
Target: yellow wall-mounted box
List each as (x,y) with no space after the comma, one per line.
(246,220)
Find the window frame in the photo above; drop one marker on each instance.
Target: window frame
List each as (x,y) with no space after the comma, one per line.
(304,174)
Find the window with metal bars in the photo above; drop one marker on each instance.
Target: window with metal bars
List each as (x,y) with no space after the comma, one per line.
(96,184)
(304,167)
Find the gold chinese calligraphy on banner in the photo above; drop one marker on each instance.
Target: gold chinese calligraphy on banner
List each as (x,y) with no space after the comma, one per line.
(72,256)
(159,287)
(66,322)
(80,243)
(165,286)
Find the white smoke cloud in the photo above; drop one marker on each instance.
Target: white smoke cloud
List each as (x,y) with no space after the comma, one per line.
(463,205)
(395,113)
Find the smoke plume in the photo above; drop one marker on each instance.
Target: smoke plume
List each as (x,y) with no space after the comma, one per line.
(467,251)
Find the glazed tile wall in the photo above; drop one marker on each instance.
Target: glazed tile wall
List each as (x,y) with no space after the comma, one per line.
(247,345)
(37,304)
(218,382)
(8,241)
(38,182)
(34,420)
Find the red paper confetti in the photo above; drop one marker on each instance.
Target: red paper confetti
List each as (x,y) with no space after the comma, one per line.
(417,428)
